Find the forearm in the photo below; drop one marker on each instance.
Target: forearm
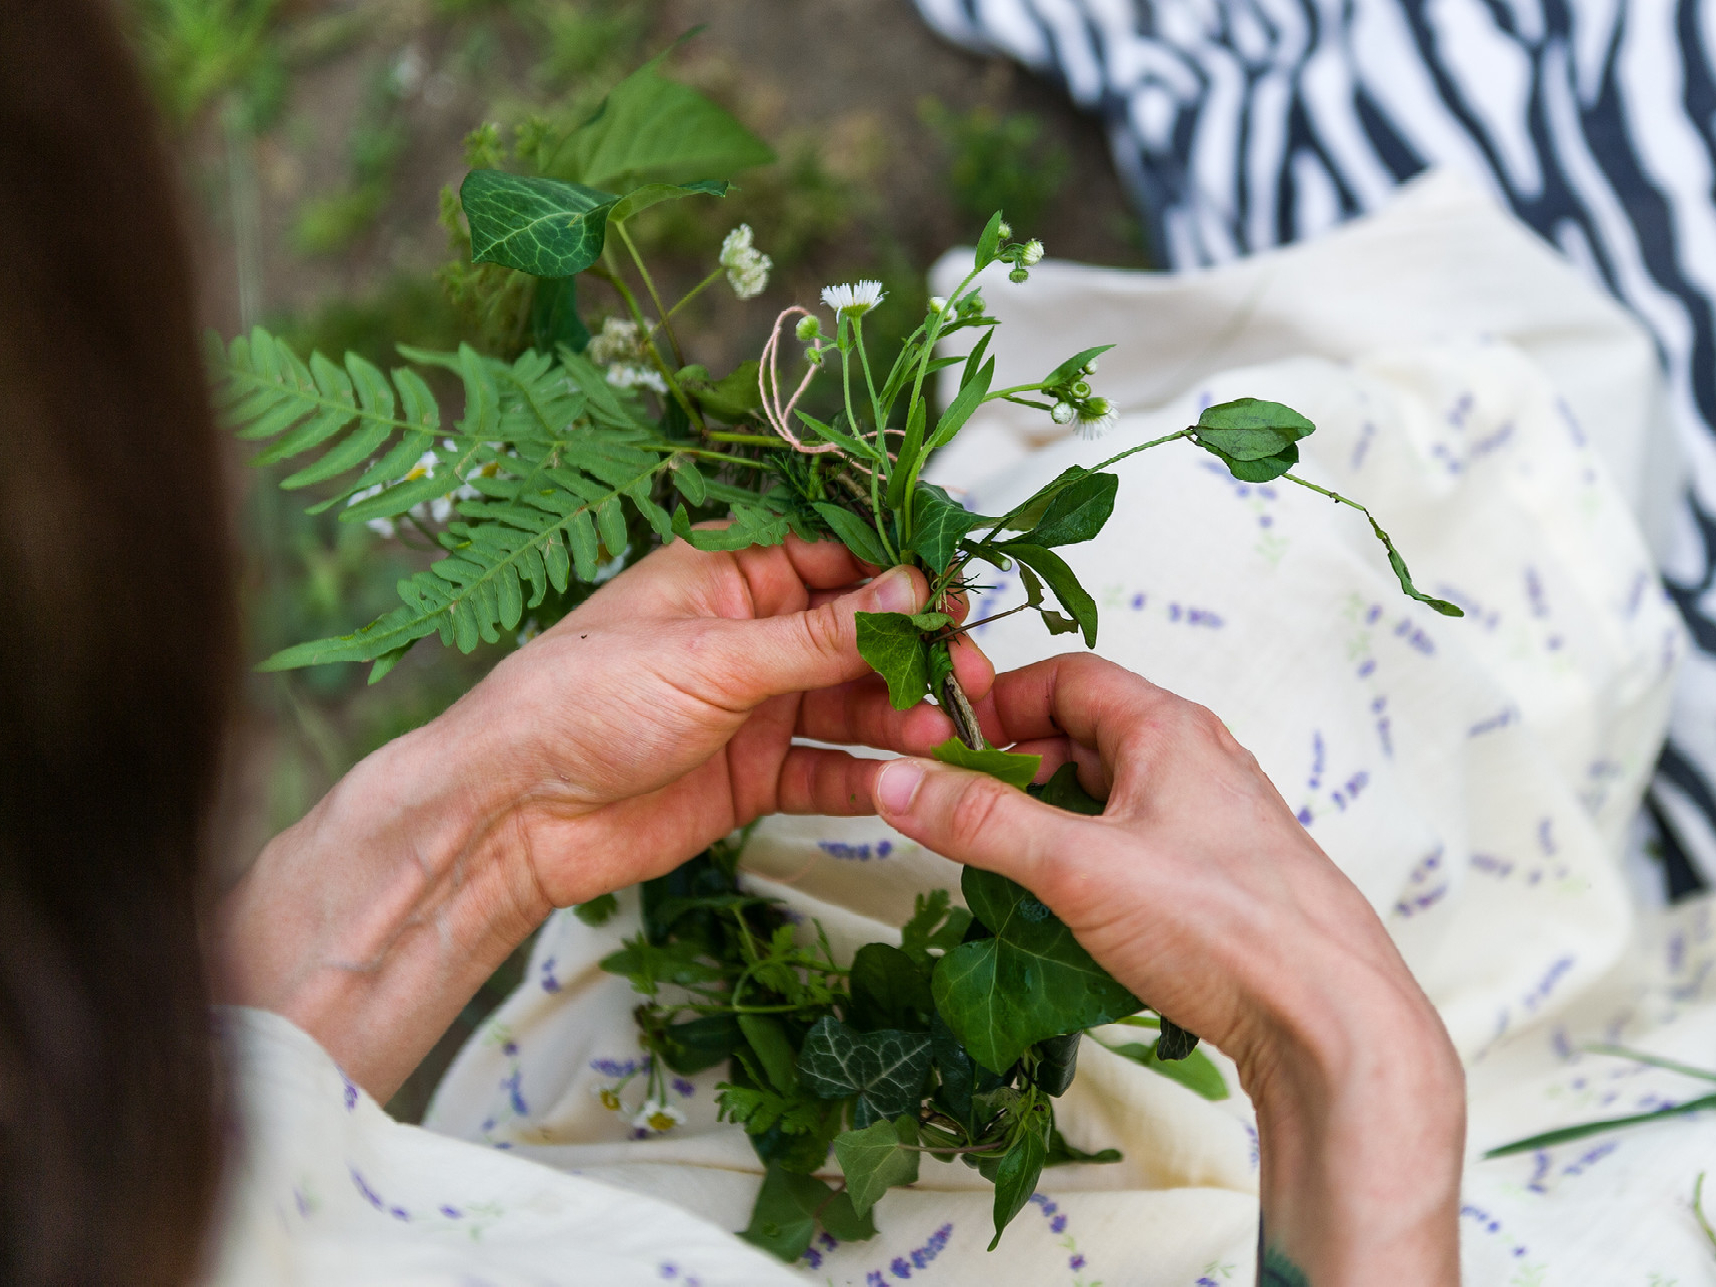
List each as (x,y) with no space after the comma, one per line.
(373,920)
(1362,1126)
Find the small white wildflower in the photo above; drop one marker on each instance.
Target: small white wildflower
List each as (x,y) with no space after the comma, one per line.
(441,508)
(617,341)
(610,1097)
(382,527)
(658,1117)
(424,468)
(1096,418)
(747,267)
(856,298)
(1032,252)
(808,328)
(626,376)
(1063,413)
(612,568)
(525,635)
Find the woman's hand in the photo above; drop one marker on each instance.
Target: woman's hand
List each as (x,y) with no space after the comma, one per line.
(644,726)
(1199,890)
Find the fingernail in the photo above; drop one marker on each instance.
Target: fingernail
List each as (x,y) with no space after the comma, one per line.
(897,784)
(893,591)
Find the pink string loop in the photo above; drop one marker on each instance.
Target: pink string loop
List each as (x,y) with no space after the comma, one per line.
(768,373)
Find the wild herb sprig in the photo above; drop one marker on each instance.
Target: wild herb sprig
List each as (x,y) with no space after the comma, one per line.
(578,453)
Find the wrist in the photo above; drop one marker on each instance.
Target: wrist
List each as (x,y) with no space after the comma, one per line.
(374,919)
(1360,1103)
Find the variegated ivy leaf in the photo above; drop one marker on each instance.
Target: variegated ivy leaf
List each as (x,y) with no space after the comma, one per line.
(884,1070)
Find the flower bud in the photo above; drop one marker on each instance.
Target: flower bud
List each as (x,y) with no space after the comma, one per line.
(1090,367)
(1032,252)
(1006,230)
(937,304)
(809,327)
(1062,414)
(972,304)
(813,355)
(1081,390)
(1018,275)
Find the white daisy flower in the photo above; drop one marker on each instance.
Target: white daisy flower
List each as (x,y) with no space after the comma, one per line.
(1096,418)
(617,341)
(425,466)
(856,298)
(658,1117)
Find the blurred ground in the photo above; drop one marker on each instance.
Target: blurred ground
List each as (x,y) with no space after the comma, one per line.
(316,136)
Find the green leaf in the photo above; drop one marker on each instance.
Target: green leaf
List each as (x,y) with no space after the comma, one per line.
(734,396)
(769,1041)
(1074,366)
(938,524)
(649,965)
(788,1206)
(1029,982)
(598,911)
(1063,1154)
(1014,770)
(964,404)
(1405,578)
(652,194)
(1021,1167)
(699,1043)
(1250,429)
(892,644)
(652,128)
(1064,791)
(909,456)
(554,318)
(862,448)
(874,1161)
(1175,1041)
(989,244)
(888,990)
(1567,1133)
(1195,1071)
(1077,512)
(885,1070)
(1057,1063)
(935,924)
(857,535)
(1053,569)
(539,226)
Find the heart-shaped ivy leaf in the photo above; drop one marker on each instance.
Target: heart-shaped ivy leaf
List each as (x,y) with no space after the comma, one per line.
(893,645)
(876,1158)
(1029,982)
(938,522)
(884,1070)
(539,226)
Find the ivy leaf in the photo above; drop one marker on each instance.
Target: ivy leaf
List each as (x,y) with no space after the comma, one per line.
(935,923)
(554,318)
(888,989)
(1022,1165)
(1064,791)
(1077,513)
(885,1070)
(784,1219)
(1053,569)
(892,644)
(854,533)
(1250,429)
(766,1037)
(1014,770)
(652,128)
(938,523)
(539,226)
(1195,1071)
(1175,1042)
(652,194)
(874,1161)
(1029,982)
(1057,1063)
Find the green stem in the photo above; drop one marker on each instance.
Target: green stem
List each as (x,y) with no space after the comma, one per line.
(744,439)
(1114,460)
(693,293)
(930,338)
(611,274)
(1324,491)
(649,285)
(1017,388)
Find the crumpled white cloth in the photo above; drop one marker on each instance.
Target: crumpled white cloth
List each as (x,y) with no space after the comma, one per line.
(1477,778)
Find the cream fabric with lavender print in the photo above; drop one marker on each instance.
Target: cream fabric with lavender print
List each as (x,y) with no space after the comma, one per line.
(1477,778)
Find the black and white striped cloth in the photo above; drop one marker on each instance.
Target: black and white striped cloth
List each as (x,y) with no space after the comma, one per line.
(1244,124)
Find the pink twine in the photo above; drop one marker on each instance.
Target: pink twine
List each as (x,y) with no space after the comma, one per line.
(768,373)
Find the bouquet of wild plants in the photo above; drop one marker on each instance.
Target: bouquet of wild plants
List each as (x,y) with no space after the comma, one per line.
(582,451)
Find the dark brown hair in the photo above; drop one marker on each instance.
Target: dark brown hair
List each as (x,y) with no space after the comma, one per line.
(115,644)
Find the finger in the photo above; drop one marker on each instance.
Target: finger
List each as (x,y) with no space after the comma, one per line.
(815,565)
(818,781)
(1056,751)
(860,714)
(800,651)
(972,667)
(973,818)
(1076,694)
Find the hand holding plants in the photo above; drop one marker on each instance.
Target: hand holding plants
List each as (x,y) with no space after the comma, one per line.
(1198,889)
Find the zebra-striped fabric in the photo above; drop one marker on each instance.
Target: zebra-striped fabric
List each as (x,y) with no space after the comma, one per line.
(1244,124)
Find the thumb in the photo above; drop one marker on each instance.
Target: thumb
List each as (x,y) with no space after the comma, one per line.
(818,648)
(973,818)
